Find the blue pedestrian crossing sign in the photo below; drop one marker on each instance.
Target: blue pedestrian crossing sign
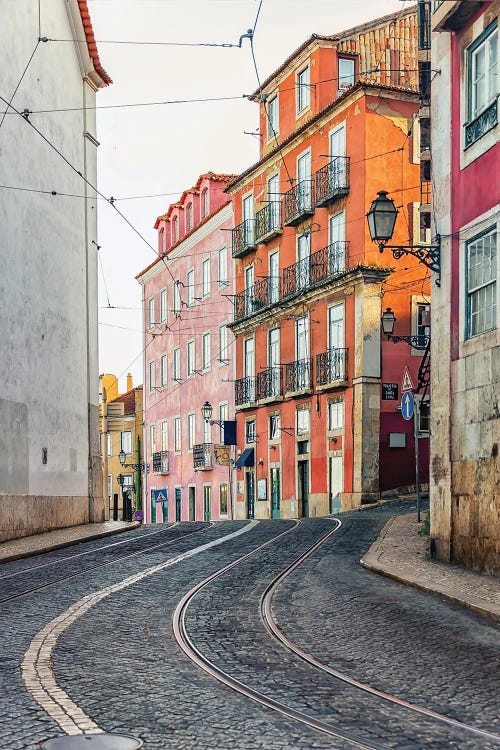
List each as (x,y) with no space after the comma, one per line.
(160,496)
(407,405)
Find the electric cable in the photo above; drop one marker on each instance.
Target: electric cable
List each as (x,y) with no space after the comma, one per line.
(9,103)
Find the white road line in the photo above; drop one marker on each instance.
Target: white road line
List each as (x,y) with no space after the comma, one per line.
(37,671)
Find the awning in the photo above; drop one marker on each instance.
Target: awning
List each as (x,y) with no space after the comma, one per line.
(246,458)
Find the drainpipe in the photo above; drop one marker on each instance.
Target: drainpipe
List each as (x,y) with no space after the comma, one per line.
(138,489)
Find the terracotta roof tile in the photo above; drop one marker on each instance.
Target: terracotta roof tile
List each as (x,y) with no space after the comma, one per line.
(128,400)
(91,44)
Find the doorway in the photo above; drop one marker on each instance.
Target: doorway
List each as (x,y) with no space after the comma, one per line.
(207,502)
(250,482)
(178,500)
(153,507)
(275,492)
(303,488)
(192,503)
(336,482)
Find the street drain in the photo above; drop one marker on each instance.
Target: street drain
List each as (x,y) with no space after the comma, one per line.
(94,742)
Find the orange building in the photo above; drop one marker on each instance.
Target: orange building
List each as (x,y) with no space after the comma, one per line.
(316,427)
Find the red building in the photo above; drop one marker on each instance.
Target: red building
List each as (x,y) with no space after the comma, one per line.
(317,389)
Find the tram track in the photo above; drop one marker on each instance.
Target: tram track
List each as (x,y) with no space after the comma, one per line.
(94,567)
(204,662)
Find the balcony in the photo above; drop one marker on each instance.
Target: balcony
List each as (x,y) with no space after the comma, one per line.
(202,456)
(263,293)
(298,203)
(268,222)
(298,376)
(424,25)
(332,181)
(331,367)
(243,238)
(325,264)
(244,391)
(450,15)
(160,462)
(269,383)
(487,120)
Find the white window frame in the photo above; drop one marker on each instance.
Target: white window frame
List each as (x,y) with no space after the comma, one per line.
(109,444)
(275,426)
(177,297)
(190,287)
(191,430)
(177,435)
(175,229)
(163,305)
(152,439)
(482,287)
(176,364)
(152,375)
(250,432)
(189,216)
(205,351)
(303,421)
(205,202)
(336,415)
(223,417)
(126,442)
(191,363)
(151,312)
(303,89)
(273,117)
(163,370)
(342,84)
(205,277)
(164,435)
(223,345)
(222,267)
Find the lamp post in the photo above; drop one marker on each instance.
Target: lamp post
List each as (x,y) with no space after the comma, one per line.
(381,222)
(417,341)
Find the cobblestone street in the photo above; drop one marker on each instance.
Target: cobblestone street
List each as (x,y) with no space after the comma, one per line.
(106,660)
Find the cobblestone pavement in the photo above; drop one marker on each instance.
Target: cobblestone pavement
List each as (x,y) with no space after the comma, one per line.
(121,665)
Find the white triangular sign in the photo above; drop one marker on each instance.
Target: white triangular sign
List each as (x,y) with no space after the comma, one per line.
(407,384)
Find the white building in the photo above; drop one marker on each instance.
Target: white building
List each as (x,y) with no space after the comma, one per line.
(50,467)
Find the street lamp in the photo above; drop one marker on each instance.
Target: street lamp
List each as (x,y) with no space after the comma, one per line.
(420,341)
(381,222)
(122,456)
(207,411)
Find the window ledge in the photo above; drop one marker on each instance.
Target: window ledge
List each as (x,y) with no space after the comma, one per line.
(486,121)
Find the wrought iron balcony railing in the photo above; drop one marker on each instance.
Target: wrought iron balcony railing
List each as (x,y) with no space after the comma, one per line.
(202,456)
(325,264)
(260,295)
(269,383)
(298,203)
(268,222)
(298,375)
(243,237)
(424,24)
(331,366)
(332,180)
(160,462)
(244,391)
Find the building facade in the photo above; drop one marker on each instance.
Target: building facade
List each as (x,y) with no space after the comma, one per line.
(187,301)
(465,478)
(50,467)
(317,389)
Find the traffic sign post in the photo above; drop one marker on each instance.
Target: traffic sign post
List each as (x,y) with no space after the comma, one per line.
(416,422)
(407,405)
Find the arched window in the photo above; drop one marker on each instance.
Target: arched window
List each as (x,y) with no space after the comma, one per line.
(161,240)
(189,211)
(175,229)
(205,203)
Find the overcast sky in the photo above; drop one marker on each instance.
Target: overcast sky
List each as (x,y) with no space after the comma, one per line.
(150,150)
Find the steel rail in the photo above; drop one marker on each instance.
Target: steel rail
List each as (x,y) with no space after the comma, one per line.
(277,633)
(96,567)
(204,663)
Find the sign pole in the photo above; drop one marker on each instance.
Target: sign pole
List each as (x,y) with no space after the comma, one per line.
(416,420)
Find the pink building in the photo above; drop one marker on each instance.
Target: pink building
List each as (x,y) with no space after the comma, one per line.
(187,302)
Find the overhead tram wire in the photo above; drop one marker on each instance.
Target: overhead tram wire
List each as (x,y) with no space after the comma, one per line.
(20,81)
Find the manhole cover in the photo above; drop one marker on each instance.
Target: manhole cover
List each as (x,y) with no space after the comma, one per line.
(94,742)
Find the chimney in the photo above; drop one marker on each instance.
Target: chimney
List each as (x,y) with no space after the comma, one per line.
(130,382)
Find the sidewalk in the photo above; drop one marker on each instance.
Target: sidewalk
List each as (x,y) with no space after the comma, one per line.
(51,540)
(401,554)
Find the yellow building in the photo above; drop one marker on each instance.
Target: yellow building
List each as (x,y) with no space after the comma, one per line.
(121,424)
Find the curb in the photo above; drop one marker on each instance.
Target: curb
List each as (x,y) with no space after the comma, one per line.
(62,545)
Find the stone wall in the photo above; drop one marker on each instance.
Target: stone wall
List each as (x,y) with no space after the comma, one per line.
(24,515)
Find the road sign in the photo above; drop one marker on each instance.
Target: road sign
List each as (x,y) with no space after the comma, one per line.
(407,405)
(160,496)
(407,384)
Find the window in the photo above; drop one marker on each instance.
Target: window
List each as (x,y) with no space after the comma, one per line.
(423,327)
(163,370)
(222,267)
(424,416)
(177,298)
(250,431)
(177,434)
(190,359)
(274,427)
(482,85)
(274,277)
(190,287)
(347,74)
(108,442)
(163,305)
(152,439)
(481,283)
(126,442)
(223,353)
(303,421)
(335,415)
(205,278)
(272,118)
(223,499)
(164,435)
(205,203)
(206,351)
(175,229)
(152,376)
(177,364)
(189,216)
(273,197)
(223,413)
(151,313)
(191,431)
(303,90)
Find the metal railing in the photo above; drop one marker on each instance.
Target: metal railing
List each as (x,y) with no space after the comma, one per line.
(325,264)
(298,375)
(332,180)
(424,24)
(244,391)
(331,366)
(160,462)
(261,294)
(268,221)
(243,238)
(298,203)
(269,383)
(202,456)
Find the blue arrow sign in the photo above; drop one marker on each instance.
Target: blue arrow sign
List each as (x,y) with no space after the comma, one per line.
(407,405)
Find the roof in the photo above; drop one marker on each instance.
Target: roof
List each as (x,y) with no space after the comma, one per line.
(91,43)
(194,190)
(333,38)
(128,400)
(361,85)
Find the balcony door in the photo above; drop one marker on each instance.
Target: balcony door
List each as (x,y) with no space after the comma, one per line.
(274,277)
(336,228)
(304,261)
(249,283)
(248,218)
(249,368)
(337,160)
(304,182)
(274,358)
(335,342)
(273,196)
(302,345)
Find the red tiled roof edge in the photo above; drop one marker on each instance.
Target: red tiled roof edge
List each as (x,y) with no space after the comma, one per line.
(127,399)
(195,189)
(91,43)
